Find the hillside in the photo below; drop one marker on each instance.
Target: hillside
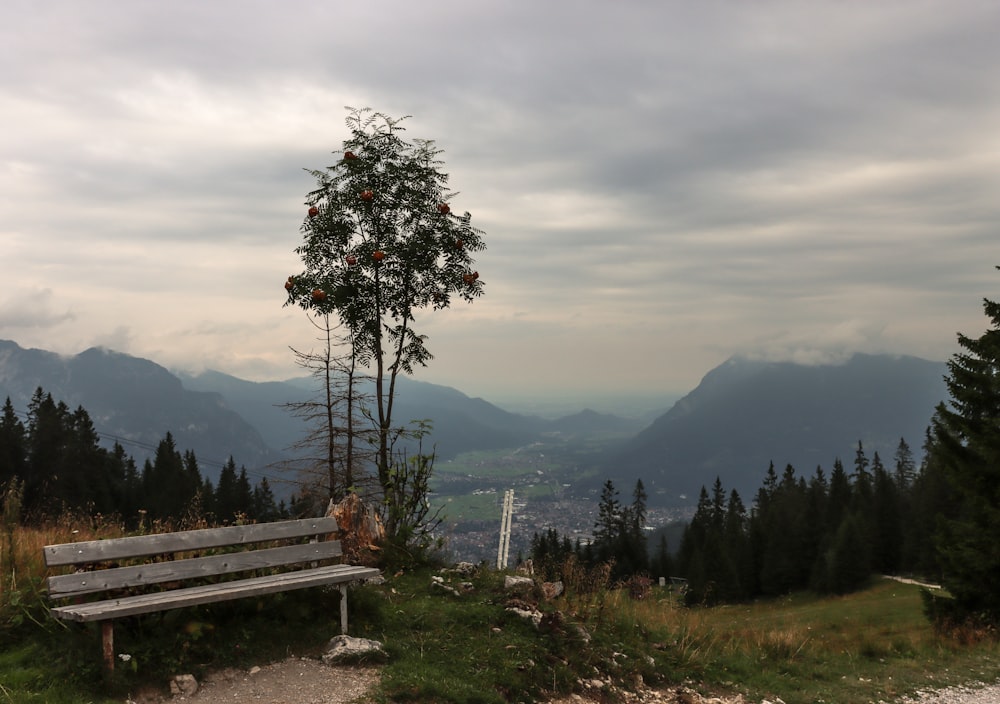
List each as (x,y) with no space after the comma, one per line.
(460,423)
(745,414)
(136,402)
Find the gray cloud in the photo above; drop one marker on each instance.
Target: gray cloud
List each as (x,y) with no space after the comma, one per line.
(31,310)
(662,184)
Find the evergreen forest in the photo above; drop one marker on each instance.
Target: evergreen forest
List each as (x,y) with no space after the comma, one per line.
(55,459)
(829,532)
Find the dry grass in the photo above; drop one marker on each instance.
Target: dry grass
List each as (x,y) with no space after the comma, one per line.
(875,643)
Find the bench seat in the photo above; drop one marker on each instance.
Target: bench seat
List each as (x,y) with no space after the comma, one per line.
(211,593)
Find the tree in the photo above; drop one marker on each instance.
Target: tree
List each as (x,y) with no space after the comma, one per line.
(265,508)
(848,559)
(46,438)
(905,467)
(227,492)
(629,545)
(13,444)
(887,536)
(408,511)
(966,435)
(381,245)
(607,526)
(169,482)
(337,441)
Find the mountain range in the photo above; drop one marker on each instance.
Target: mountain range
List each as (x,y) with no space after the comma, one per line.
(746,414)
(136,402)
(742,416)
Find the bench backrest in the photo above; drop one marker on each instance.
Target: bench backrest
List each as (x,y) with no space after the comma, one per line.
(98,551)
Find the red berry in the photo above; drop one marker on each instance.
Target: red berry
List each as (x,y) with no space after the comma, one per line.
(378,255)
(443,208)
(318,295)
(351,260)
(313,211)
(367,195)
(350,156)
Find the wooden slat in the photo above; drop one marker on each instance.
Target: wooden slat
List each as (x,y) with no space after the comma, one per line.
(192,596)
(80,583)
(146,545)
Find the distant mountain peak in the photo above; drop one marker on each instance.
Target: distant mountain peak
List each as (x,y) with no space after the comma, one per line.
(746,413)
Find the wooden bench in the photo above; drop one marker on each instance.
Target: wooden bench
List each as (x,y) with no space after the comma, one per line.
(173,572)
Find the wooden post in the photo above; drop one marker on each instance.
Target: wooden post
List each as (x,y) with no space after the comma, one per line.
(108,644)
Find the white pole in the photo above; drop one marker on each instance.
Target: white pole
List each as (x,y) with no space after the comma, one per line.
(505,519)
(503,528)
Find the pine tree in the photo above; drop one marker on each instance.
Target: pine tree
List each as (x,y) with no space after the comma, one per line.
(662,564)
(737,549)
(166,482)
(13,445)
(967,440)
(47,434)
(227,493)
(633,536)
(244,493)
(887,536)
(783,563)
(905,467)
(693,563)
(265,508)
(608,520)
(848,560)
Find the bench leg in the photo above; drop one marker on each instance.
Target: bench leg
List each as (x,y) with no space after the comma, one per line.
(108,644)
(343,610)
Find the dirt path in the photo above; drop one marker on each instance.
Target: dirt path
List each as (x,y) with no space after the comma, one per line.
(292,681)
(309,681)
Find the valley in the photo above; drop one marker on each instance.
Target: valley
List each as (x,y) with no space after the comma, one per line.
(551,491)
(743,415)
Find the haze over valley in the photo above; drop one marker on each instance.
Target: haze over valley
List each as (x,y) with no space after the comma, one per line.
(742,416)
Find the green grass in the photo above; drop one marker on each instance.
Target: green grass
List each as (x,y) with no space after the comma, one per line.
(493,465)
(477,507)
(803,649)
(870,646)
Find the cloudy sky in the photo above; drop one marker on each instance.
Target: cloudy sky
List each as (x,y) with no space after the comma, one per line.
(662,184)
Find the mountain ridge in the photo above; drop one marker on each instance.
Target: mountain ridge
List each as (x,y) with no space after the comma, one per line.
(745,414)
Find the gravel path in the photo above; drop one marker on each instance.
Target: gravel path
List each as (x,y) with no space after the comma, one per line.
(968,694)
(309,681)
(292,681)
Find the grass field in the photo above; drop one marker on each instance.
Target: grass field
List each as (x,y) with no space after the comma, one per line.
(871,646)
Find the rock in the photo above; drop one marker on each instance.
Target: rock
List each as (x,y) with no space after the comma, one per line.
(254,670)
(183,685)
(512,583)
(534,616)
(346,648)
(552,590)
(438,583)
